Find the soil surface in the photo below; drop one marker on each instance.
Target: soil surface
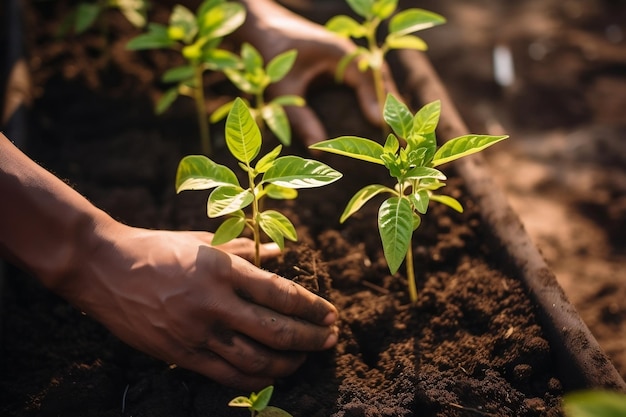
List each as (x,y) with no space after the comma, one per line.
(471,347)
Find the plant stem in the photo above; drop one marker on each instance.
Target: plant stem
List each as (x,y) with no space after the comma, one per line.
(256,231)
(203,123)
(410,273)
(376,68)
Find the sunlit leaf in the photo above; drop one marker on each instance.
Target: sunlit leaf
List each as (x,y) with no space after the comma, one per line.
(352,146)
(240,402)
(451,202)
(382,9)
(420,200)
(346,27)
(463,146)
(267,160)
(216,59)
(177,74)
(361,197)
(362,7)
(277,121)
(262,399)
(222,19)
(184,20)
(297,172)
(280,193)
(227,199)
(420,172)
(197,172)
(243,136)
(277,227)
(406,42)
(289,100)
(395,224)
(413,20)
(155,37)
(280,65)
(398,116)
(230,229)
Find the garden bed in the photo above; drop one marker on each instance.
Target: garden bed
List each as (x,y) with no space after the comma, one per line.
(478,342)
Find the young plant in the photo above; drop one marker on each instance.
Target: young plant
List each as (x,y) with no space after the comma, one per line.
(258,404)
(252,78)
(399,36)
(414,166)
(86,13)
(594,403)
(281,177)
(197,37)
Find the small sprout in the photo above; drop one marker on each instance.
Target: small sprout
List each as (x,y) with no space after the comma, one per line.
(86,13)
(414,167)
(401,27)
(281,177)
(258,404)
(252,78)
(197,37)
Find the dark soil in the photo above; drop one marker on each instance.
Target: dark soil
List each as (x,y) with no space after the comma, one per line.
(472,346)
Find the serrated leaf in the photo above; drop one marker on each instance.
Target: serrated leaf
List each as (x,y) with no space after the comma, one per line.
(406,42)
(398,116)
(177,74)
(462,146)
(277,121)
(395,224)
(280,193)
(166,100)
(277,227)
(155,37)
(354,147)
(280,65)
(240,402)
(230,229)
(361,197)
(413,20)
(267,160)
(451,202)
(197,172)
(243,136)
(86,15)
(346,27)
(297,172)
(227,199)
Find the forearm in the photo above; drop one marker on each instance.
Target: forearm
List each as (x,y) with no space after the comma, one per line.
(45,226)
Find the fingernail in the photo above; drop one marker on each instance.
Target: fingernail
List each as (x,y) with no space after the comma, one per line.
(332,338)
(330,318)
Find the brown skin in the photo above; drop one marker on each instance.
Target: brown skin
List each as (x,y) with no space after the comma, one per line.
(169,294)
(273,29)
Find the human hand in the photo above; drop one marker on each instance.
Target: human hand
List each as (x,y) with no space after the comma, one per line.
(171,295)
(273,29)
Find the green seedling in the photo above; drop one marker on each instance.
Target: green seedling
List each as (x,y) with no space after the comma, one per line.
(594,403)
(401,27)
(87,13)
(252,78)
(280,179)
(258,404)
(414,166)
(197,37)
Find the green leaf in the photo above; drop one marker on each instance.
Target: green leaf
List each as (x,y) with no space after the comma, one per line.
(462,146)
(413,20)
(222,19)
(594,403)
(406,42)
(280,65)
(289,100)
(183,21)
(271,411)
(178,74)
(451,202)
(346,27)
(398,116)
(280,193)
(344,62)
(395,224)
(427,118)
(277,121)
(155,37)
(134,11)
(297,172)
(221,112)
(382,9)
(86,15)
(391,144)
(240,80)
(227,199)
(219,59)
(362,7)
(361,197)
(197,172)
(420,172)
(420,200)
(352,146)
(277,227)
(262,399)
(240,402)
(268,159)
(243,136)
(252,59)
(166,100)
(228,230)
